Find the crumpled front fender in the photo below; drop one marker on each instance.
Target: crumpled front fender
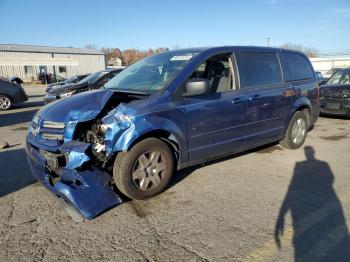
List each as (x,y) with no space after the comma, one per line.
(146,125)
(119,137)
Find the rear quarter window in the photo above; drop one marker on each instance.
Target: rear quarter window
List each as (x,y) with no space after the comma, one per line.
(298,66)
(258,68)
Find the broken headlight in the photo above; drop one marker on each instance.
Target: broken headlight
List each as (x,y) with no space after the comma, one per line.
(123,122)
(118,121)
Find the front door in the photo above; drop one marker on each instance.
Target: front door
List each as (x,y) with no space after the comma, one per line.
(215,121)
(215,125)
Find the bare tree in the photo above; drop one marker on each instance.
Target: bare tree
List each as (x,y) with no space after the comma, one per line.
(130,55)
(90,46)
(310,52)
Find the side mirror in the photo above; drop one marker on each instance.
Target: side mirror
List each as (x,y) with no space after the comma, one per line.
(197,86)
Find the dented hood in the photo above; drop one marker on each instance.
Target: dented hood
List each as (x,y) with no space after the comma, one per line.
(81,107)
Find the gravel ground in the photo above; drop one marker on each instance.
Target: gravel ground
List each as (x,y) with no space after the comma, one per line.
(225,210)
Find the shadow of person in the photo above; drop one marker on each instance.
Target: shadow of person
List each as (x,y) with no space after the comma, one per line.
(319,226)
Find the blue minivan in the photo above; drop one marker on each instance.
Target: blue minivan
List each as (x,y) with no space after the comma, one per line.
(167,112)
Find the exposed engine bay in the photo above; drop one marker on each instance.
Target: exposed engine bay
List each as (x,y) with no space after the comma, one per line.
(94,131)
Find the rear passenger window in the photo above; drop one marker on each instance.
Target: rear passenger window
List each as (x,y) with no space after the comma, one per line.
(258,69)
(299,67)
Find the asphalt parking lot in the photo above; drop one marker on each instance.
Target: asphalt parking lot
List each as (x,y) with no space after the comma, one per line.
(235,209)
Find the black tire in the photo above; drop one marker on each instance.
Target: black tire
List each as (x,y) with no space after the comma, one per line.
(5,103)
(128,166)
(299,119)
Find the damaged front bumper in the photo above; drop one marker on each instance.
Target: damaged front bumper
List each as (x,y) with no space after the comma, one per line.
(83,189)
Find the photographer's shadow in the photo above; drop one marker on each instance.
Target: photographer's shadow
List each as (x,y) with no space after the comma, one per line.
(320,231)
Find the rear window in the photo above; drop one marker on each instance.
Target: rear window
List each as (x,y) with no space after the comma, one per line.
(258,68)
(299,67)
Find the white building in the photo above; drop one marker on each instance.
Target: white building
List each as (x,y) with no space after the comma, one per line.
(115,62)
(323,64)
(27,61)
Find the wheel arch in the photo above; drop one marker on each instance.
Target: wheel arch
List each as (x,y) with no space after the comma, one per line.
(8,96)
(301,104)
(170,139)
(155,125)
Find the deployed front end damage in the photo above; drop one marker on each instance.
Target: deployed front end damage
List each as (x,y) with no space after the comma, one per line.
(84,190)
(73,159)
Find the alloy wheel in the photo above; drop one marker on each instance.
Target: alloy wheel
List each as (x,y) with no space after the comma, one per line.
(149,170)
(298,131)
(5,103)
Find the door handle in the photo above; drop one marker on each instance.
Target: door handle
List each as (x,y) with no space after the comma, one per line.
(254,97)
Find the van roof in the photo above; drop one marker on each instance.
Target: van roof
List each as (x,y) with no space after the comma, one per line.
(236,48)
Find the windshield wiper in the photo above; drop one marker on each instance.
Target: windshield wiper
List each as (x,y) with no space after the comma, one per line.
(131,92)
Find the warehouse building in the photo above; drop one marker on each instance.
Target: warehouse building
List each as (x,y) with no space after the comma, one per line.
(28,61)
(324,64)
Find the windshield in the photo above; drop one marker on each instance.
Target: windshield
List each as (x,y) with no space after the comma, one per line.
(70,80)
(93,77)
(151,74)
(340,77)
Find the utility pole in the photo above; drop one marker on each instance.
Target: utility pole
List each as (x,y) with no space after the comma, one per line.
(268,40)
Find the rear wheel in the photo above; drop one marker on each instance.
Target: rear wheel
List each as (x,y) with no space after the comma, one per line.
(296,132)
(5,103)
(145,170)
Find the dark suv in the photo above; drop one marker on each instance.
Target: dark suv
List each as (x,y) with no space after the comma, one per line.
(72,80)
(92,81)
(166,112)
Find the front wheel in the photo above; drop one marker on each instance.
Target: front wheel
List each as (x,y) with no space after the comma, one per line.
(145,170)
(5,103)
(296,132)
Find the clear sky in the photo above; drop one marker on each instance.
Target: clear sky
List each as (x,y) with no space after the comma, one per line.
(323,25)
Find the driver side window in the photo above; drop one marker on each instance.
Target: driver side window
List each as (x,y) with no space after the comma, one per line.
(218,71)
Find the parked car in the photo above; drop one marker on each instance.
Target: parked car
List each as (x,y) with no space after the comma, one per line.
(167,112)
(335,94)
(330,72)
(10,94)
(93,81)
(72,80)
